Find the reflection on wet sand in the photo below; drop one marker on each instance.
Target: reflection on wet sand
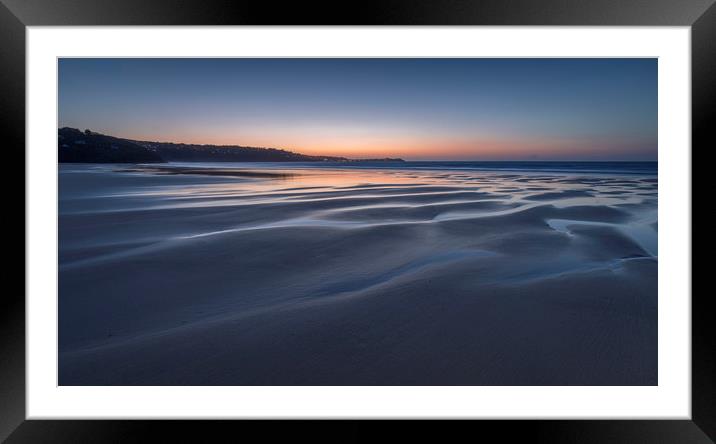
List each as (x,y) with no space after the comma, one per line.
(322,276)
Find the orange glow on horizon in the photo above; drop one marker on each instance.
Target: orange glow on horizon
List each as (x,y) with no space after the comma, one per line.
(397,145)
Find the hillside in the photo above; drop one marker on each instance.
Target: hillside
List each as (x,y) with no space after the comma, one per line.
(77,146)
(180,152)
(87,147)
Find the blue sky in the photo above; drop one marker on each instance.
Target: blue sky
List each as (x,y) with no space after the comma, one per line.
(459,109)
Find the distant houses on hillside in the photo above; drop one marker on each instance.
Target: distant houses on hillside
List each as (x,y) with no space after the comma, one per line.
(91,147)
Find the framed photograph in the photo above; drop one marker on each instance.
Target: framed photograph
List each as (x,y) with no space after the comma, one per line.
(468,210)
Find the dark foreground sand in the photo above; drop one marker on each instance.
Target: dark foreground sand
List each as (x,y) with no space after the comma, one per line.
(356,277)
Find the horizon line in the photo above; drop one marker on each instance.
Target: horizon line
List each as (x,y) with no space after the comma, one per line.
(357,158)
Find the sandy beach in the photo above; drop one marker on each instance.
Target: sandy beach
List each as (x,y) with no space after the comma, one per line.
(260,275)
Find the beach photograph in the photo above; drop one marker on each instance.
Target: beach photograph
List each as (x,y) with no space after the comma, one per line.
(357,221)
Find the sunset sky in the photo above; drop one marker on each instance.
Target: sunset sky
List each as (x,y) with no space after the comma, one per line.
(417,109)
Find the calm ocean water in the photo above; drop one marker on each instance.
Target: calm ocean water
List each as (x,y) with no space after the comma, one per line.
(576,167)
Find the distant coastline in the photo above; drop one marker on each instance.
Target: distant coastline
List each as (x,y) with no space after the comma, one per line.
(75,146)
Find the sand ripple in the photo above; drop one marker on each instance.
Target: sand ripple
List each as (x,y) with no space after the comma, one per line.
(360,277)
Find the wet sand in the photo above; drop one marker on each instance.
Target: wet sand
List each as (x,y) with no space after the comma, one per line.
(356,277)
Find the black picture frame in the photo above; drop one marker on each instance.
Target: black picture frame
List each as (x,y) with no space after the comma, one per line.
(15,15)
